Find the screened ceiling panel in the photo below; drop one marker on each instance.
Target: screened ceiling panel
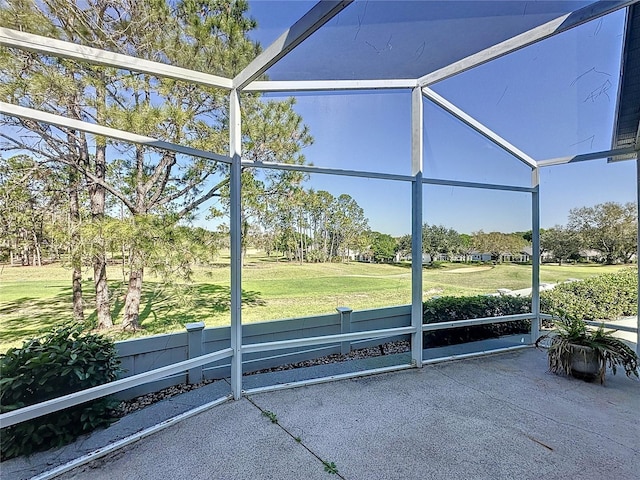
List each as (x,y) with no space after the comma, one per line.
(274,17)
(552,99)
(454,151)
(409,39)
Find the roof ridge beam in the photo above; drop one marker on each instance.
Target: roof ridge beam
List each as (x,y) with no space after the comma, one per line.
(558,25)
(60,48)
(478,127)
(316,17)
(94,129)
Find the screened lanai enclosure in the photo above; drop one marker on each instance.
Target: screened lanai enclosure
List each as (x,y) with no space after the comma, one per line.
(482,114)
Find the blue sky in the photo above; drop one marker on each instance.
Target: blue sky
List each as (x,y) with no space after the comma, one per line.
(551,99)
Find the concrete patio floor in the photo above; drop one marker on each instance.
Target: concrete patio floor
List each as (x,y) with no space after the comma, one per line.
(495,417)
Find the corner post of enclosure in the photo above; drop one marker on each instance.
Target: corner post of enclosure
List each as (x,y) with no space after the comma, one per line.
(417,119)
(235,150)
(535,254)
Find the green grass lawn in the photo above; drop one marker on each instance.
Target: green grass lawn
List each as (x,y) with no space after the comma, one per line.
(36,298)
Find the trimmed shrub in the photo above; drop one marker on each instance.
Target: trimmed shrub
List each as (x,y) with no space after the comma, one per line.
(63,361)
(448,309)
(607,296)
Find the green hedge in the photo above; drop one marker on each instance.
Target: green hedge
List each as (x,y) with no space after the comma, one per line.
(447,309)
(607,296)
(64,361)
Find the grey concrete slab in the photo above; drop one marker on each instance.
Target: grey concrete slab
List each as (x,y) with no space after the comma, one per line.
(496,417)
(231,441)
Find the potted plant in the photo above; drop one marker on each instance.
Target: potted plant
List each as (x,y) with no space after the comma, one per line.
(584,352)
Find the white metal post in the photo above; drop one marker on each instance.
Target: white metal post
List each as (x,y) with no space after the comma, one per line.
(235,144)
(535,254)
(417,118)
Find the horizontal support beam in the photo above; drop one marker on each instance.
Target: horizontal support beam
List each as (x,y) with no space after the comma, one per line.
(60,48)
(612,326)
(92,128)
(587,156)
(485,186)
(342,337)
(320,13)
(328,85)
(327,171)
(428,327)
(549,29)
(478,127)
(72,399)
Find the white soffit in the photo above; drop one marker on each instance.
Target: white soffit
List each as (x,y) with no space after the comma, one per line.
(626,132)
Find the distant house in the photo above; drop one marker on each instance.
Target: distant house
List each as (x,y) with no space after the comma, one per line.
(591,255)
(479,257)
(523,256)
(461,258)
(360,256)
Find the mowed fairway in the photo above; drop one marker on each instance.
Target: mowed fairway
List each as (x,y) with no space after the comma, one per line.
(37,298)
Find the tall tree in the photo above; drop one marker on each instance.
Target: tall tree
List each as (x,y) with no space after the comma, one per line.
(561,242)
(610,228)
(69,89)
(205,35)
(350,226)
(466,246)
(439,239)
(273,132)
(498,244)
(29,196)
(404,245)
(383,246)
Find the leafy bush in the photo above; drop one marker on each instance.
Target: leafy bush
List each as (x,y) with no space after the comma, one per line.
(607,296)
(63,361)
(448,309)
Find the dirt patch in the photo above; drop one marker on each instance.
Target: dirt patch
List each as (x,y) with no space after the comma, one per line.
(470,269)
(393,275)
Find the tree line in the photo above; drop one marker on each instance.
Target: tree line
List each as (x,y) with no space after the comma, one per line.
(315,226)
(302,225)
(610,229)
(439,241)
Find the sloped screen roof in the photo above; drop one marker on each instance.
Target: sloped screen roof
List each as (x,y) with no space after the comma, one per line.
(409,39)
